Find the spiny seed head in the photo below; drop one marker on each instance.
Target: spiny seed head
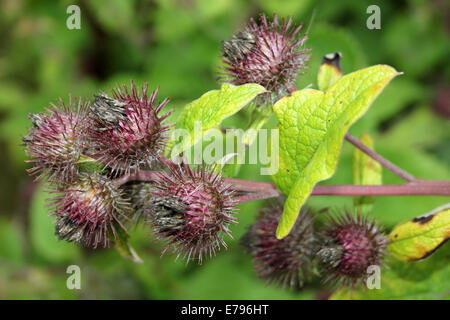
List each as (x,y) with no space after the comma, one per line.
(349,245)
(108,110)
(129,133)
(287,261)
(56,141)
(90,211)
(240,45)
(191,209)
(268,53)
(36,120)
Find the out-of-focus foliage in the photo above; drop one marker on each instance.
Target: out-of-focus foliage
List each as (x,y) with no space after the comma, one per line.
(175,44)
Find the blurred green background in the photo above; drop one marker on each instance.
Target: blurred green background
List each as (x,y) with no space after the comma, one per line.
(175,44)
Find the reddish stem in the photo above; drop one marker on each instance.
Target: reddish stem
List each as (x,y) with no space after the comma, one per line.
(384,190)
(380,159)
(264,190)
(254,190)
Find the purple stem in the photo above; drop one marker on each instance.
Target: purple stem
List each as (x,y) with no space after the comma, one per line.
(424,188)
(383,161)
(255,190)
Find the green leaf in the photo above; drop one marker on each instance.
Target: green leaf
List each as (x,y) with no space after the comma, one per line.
(422,236)
(366,171)
(258,118)
(126,250)
(330,71)
(312,127)
(211,109)
(123,246)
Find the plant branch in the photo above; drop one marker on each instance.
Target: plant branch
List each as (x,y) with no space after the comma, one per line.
(254,190)
(424,188)
(383,161)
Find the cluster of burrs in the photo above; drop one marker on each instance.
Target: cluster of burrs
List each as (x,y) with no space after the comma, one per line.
(85,149)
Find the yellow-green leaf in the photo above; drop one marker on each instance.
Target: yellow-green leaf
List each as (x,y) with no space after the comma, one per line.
(208,111)
(366,171)
(422,236)
(123,246)
(330,71)
(126,250)
(312,127)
